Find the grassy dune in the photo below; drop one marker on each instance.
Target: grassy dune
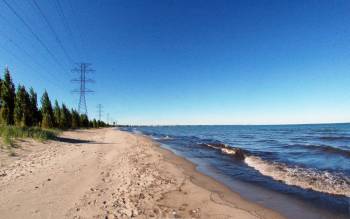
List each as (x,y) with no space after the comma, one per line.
(10,133)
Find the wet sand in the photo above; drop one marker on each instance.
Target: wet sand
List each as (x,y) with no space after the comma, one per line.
(108,173)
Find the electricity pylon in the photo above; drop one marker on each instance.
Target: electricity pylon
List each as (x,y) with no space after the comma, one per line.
(99,108)
(82,69)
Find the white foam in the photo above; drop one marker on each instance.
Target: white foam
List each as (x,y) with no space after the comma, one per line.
(136,131)
(228,151)
(321,181)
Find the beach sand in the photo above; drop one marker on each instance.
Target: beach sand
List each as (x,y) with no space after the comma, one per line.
(107,173)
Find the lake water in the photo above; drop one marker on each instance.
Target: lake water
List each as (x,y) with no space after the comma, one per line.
(302,171)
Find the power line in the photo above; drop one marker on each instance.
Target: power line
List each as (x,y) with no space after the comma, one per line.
(82,69)
(66,23)
(29,65)
(19,47)
(25,63)
(53,79)
(33,33)
(19,32)
(53,31)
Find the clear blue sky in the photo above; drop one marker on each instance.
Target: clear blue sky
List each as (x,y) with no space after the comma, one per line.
(189,62)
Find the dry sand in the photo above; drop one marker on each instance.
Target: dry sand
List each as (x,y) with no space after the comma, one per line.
(107,173)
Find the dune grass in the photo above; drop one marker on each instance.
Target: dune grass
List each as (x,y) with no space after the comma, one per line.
(9,133)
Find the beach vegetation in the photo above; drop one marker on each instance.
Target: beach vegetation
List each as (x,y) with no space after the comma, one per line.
(66,117)
(57,114)
(75,119)
(48,120)
(35,114)
(22,110)
(21,117)
(7,99)
(8,133)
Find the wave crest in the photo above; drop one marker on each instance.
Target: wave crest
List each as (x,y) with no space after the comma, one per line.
(238,153)
(321,181)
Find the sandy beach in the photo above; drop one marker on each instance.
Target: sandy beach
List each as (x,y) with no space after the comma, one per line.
(107,173)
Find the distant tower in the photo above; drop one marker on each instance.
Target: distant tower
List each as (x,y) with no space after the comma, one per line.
(82,69)
(99,111)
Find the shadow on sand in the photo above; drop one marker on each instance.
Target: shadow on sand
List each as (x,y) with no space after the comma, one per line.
(77,141)
(72,140)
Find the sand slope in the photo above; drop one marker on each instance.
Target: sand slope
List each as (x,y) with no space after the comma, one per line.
(111,174)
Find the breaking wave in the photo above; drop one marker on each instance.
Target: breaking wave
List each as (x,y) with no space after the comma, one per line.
(317,180)
(166,137)
(238,153)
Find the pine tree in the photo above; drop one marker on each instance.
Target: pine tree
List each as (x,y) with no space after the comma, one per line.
(27,112)
(34,112)
(0,94)
(84,121)
(40,117)
(99,124)
(66,117)
(46,112)
(75,119)
(8,99)
(18,112)
(22,110)
(57,115)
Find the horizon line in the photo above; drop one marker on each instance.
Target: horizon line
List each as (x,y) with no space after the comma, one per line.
(277,124)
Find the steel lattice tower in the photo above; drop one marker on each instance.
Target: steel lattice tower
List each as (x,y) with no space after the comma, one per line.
(82,69)
(99,111)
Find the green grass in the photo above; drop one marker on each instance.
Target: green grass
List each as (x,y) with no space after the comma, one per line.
(8,133)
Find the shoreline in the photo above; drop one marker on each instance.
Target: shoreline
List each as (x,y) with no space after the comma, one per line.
(211,184)
(108,173)
(285,205)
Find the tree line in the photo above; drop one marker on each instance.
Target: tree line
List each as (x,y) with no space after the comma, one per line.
(19,107)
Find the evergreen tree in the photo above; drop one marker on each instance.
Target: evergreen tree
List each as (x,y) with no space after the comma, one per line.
(18,112)
(84,121)
(94,123)
(40,117)
(46,112)
(0,94)
(8,99)
(99,124)
(75,119)
(66,117)
(22,110)
(34,108)
(57,115)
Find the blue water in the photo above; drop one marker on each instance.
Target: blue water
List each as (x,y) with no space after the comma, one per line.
(305,166)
